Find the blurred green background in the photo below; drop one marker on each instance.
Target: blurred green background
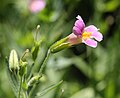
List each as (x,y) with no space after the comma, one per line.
(87,72)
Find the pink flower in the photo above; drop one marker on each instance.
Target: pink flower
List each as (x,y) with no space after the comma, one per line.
(81,34)
(36,5)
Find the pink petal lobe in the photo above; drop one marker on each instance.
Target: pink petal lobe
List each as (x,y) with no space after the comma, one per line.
(91,28)
(73,39)
(95,33)
(77,30)
(90,42)
(79,17)
(79,24)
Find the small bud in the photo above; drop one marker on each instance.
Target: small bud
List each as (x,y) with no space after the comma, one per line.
(13,61)
(60,45)
(62,91)
(38,26)
(23,68)
(35,49)
(37,31)
(24,54)
(34,80)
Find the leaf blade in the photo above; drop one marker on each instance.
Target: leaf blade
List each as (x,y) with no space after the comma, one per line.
(49,89)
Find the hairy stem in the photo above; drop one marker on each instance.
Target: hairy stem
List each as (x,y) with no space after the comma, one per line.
(26,94)
(44,62)
(20,87)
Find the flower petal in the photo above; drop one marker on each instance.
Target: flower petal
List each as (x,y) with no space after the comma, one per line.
(73,39)
(79,17)
(77,31)
(36,5)
(95,34)
(78,26)
(90,42)
(91,28)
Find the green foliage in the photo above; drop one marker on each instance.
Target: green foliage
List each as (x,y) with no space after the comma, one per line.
(87,72)
(48,89)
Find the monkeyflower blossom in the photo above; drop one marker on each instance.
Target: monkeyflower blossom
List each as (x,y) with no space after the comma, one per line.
(36,5)
(89,35)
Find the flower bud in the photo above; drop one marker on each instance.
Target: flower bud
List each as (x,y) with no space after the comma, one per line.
(34,80)
(13,61)
(35,49)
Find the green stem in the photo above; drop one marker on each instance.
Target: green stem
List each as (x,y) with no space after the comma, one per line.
(62,93)
(20,87)
(44,62)
(40,71)
(26,94)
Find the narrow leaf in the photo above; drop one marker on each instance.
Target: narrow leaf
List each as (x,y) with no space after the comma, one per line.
(29,72)
(49,89)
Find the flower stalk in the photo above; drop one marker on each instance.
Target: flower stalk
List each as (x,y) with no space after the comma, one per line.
(19,92)
(44,63)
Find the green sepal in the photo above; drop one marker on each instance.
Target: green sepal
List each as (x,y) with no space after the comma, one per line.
(60,45)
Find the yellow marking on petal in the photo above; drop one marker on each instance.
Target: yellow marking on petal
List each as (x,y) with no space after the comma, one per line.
(86,35)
